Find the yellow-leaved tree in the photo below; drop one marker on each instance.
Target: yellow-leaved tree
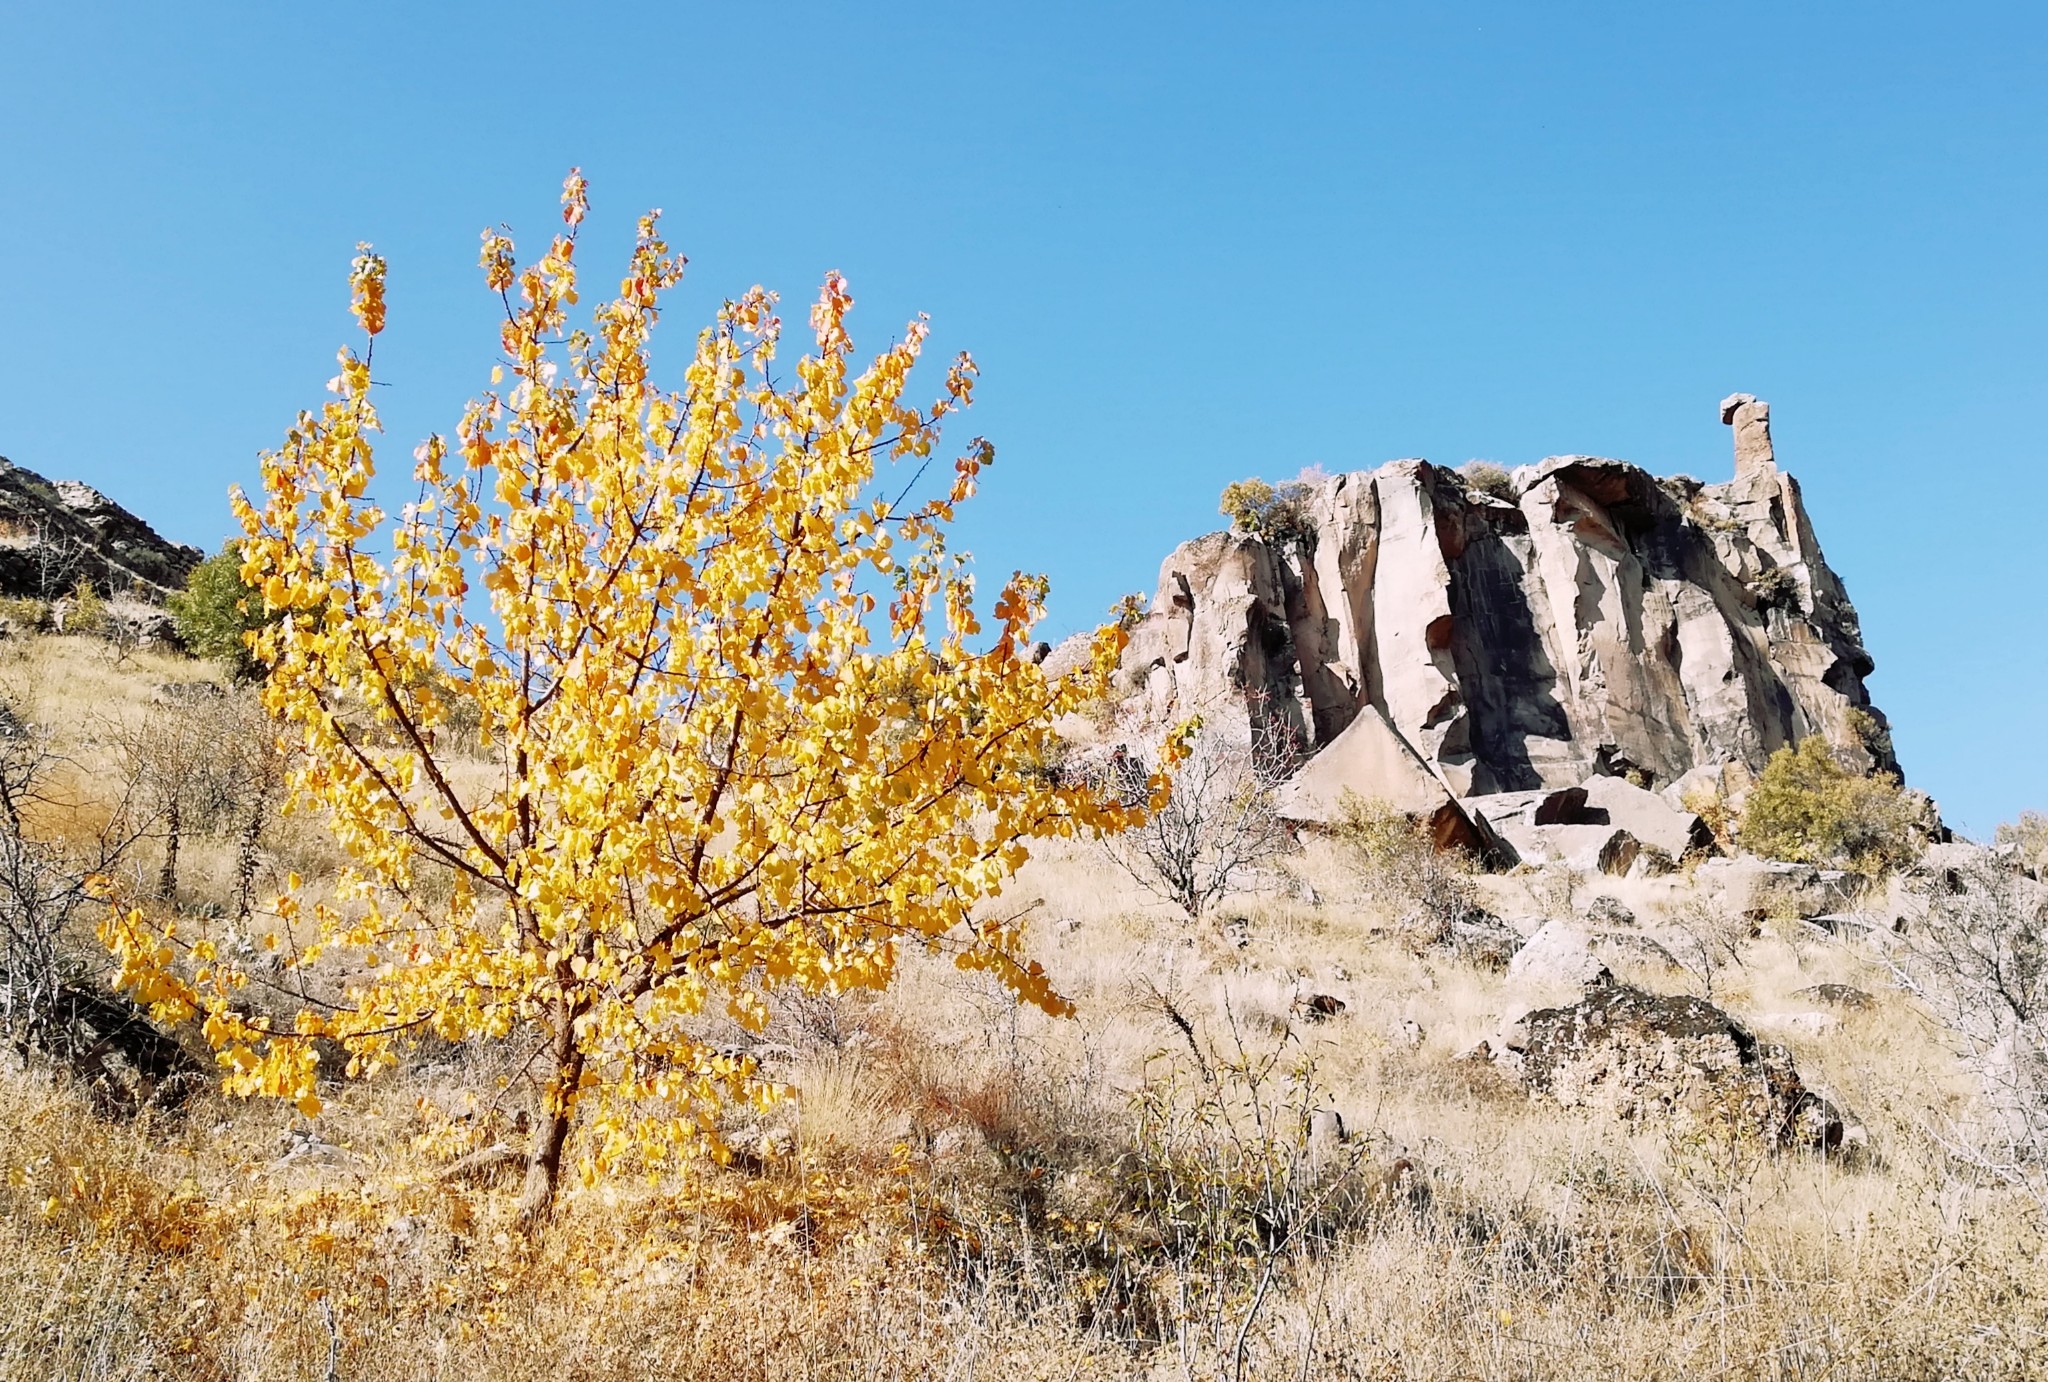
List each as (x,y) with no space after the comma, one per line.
(711,764)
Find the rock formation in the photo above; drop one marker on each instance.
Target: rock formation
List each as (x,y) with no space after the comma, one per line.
(1418,639)
(55,534)
(1635,1055)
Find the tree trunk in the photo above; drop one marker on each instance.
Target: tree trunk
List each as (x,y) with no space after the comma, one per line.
(167,878)
(247,862)
(551,1129)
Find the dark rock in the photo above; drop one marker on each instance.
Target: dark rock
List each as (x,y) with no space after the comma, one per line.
(1319,1007)
(1838,995)
(1609,911)
(1640,1055)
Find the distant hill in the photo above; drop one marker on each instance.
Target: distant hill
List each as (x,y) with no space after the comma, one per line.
(55,533)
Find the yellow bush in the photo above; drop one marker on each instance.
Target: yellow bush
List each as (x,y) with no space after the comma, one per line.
(1807,808)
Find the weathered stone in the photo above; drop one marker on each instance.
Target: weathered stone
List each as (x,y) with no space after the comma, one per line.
(1647,816)
(1768,888)
(1560,953)
(1751,419)
(1544,806)
(1319,1007)
(1632,947)
(1605,911)
(1605,625)
(1484,940)
(1838,995)
(1604,849)
(1641,1055)
(1369,755)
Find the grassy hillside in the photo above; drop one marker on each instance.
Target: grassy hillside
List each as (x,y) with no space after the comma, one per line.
(966,1188)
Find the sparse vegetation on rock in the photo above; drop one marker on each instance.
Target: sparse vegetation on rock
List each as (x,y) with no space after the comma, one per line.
(1276,513)
(1806,807)
(1488,479)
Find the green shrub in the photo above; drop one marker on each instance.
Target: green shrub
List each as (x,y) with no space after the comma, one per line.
(1872,733)
(86,612)
(217,607)
(1806,808)
(1488,478)
(1774,586)
(1276,513)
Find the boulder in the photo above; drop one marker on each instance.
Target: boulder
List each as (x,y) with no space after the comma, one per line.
(1559,953)
(1550,806)
(1845,996)
(1372,760)
(1632,947)
(1639,1055)
(1647,816)
(1604,849)
(1766,887)
(1605,911)
(1483,939)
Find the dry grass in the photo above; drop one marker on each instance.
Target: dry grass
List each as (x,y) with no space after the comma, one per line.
(966,1189)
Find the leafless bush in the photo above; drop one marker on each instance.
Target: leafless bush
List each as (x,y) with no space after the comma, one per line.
(205,762)
(1217,829)
(55,854)
(1978,960)
(1706,939)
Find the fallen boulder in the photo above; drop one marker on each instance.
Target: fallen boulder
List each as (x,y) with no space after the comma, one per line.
(1641,1055)
(1372,760)
(1559,953)
(1647,816)
(1838,996)
(1586,848)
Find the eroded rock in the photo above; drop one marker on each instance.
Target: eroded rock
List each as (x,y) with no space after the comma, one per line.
(1559,953)
(1639,1055)
(1605,625)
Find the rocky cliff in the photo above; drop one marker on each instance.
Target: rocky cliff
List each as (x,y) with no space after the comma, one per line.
(53,534)
(1425,640)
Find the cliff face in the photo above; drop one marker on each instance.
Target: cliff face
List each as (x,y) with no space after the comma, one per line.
(1424,637)
(53,534)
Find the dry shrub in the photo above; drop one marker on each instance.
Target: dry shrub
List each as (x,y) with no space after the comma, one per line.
(1488,479)
(1426,890)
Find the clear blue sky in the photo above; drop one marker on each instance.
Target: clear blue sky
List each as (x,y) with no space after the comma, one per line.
(1188,242)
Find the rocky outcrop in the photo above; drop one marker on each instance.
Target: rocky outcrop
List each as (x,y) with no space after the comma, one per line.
(1635,1055)
(1417,639)
(54,534)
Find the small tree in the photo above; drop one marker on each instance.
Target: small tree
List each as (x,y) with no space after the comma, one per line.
(87,611)
(718,766)
(1277,514)
(1216,827)
(2028,836)
(218,611)
(1978,961)
(1807,808)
